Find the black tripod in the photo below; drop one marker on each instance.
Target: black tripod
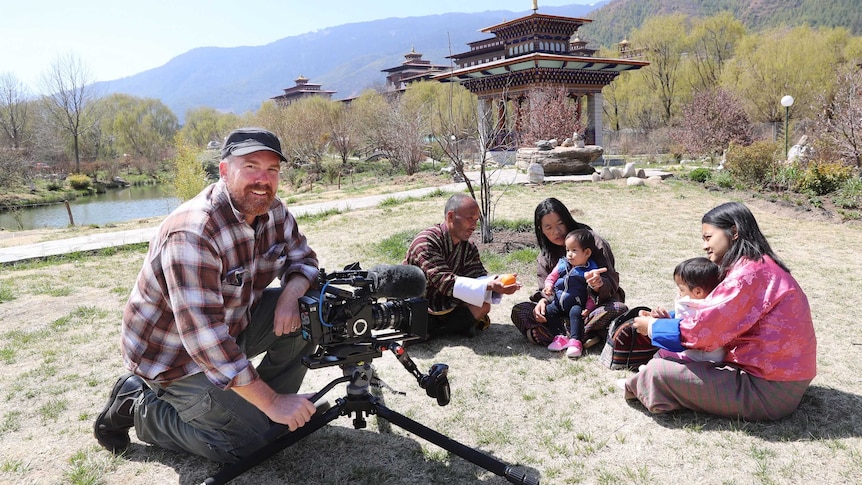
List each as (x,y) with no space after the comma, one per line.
(360,400)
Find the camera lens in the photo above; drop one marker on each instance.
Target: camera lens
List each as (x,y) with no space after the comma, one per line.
(391,315)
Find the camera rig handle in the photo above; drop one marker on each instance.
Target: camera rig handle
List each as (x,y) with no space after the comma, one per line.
(435,383)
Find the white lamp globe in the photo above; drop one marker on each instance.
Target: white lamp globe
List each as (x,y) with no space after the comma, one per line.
(787,101)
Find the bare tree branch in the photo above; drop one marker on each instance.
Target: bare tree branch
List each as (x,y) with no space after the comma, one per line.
(70,98)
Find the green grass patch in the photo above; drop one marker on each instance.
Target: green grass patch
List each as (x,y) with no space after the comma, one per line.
(86,468)
(318,216)
(497,263)
(13,466)
(515,225)
(7,354)
(11,422)
(7,292)
(391,250)
(394,201)
(52,289)
(52,409)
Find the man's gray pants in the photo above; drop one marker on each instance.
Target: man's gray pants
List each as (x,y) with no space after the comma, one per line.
(193,415)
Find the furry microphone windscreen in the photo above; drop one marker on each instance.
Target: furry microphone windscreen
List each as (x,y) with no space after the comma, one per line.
(399,280)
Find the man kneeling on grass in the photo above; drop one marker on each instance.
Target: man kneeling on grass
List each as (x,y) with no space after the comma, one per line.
(201,308)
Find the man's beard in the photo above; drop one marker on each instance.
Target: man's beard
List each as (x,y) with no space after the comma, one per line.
(248,203)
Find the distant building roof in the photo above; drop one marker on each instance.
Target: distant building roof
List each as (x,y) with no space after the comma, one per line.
(302,89)
(414,68)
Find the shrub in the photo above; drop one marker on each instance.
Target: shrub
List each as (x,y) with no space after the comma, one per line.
(849,196)
(188,174)
(823,178)
(294,176)
(79,181)
(723,179)
(786,177)
(700,174)
(753,164)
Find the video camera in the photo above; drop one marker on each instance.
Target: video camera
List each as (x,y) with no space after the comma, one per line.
(353,314)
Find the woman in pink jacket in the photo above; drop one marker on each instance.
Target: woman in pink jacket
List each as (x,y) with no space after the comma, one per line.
(758,314)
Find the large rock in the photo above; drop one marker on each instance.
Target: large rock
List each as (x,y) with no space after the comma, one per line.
(561,160)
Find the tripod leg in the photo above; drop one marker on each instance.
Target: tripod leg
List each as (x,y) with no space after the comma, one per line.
(493,465)
(233,470)
(383,425)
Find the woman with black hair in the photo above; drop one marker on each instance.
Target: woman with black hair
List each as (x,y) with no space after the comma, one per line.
(757,313)
(552,222)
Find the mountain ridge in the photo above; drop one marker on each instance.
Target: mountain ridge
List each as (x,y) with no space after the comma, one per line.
(349,58)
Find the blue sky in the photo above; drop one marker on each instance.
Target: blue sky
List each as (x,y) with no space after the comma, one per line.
(118,38)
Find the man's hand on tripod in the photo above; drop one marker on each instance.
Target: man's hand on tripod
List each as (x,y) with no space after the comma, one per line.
(291,410)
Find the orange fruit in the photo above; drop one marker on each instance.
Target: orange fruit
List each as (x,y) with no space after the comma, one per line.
(507,279)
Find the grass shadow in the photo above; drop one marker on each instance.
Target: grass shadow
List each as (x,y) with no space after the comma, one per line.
(336,453)
(825,413)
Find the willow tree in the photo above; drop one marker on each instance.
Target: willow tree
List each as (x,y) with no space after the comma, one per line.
(663,40)
(306,138)
(369,112)
(138,127)
(800,62)
(203,125)
(712,42)
(188,176)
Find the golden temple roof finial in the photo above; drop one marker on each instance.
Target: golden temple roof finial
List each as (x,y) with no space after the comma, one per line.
(535,5)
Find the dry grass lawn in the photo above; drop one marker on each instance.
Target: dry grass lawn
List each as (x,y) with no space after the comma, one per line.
(59,356)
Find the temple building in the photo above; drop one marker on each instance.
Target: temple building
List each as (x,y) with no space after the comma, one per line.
(536,50)
(302,89)
(414,68)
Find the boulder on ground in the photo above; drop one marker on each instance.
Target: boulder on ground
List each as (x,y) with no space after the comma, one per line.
(560,160)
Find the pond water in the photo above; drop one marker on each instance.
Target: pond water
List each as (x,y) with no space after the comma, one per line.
(117,205)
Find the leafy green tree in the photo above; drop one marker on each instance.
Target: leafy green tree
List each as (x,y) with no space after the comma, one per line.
(664,41)
(306,138)
(800,62)
(203,125)
(370,111)
(271,116)
(342,127)
(713,41)
(138,127)
(188,175)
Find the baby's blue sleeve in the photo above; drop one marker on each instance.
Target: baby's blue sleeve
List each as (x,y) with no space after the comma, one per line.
(665,334)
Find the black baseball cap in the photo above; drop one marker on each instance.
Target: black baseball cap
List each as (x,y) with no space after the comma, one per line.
(243,141)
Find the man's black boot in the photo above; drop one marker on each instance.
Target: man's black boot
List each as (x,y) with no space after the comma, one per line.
(112,426)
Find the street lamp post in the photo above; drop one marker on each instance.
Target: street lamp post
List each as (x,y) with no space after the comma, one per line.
(787,102)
